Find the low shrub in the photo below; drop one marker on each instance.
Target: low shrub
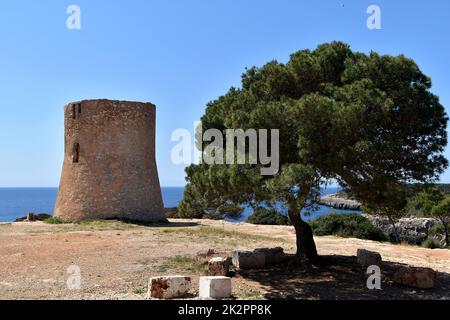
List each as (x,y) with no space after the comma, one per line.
(221,212)
(348,226)
(52,220)
(437,230)
(265,216)
(431,244)
(139,290)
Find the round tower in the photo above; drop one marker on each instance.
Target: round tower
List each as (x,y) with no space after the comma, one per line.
(109,169)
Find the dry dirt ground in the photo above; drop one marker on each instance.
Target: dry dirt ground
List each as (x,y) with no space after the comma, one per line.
(116,260)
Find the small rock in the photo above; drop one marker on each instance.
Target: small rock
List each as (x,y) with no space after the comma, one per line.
(368,258)
(205,256)
(421,278)
(215,287)
(249,260)
(219,266)
(169,287)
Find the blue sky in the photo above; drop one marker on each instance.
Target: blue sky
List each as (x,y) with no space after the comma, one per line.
(178,55)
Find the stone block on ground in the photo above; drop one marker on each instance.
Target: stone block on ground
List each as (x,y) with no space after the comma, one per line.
(368,258)
(421,278)
(219,266)
(273,255)
(170,287)
(215,287)
(249,260)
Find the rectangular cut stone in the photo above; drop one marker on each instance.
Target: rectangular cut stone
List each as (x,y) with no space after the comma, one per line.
(368,258)
(421,278)
(249,260)
(219,266)
(215,287)
(273,255)
(170,287)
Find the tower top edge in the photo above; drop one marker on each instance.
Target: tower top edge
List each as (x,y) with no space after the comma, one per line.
(110,103)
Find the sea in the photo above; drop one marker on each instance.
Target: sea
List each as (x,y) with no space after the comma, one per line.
(17,202)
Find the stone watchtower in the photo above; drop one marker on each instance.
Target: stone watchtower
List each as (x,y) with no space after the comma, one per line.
(109,168)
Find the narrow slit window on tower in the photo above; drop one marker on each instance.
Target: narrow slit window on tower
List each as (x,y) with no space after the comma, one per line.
(79,108)
(76,153)
(74,114)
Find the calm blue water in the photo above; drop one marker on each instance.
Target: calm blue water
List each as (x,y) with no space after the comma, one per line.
(17,202)
(322,210)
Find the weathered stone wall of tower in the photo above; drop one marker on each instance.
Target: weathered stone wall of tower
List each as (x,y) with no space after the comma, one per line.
(109,168)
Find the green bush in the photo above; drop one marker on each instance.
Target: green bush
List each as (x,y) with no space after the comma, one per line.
(348,226)
(268,217)
(52,220)
(431,244)
(185,211)
(437,230)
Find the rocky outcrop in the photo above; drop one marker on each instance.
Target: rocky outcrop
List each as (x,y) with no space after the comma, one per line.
(410,230)
(32,217)
(339,201)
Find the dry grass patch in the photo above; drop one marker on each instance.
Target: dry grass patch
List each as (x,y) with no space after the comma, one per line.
(95,225)
(249,295)
(185,264)
(105,225)
(212,232)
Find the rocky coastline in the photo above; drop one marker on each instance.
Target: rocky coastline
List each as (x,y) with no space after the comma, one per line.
(412,230)
(340,201)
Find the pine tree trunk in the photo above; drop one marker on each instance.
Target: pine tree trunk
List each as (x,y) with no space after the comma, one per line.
(306,247)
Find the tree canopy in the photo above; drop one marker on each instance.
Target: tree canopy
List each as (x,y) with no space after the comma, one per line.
(367,121)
